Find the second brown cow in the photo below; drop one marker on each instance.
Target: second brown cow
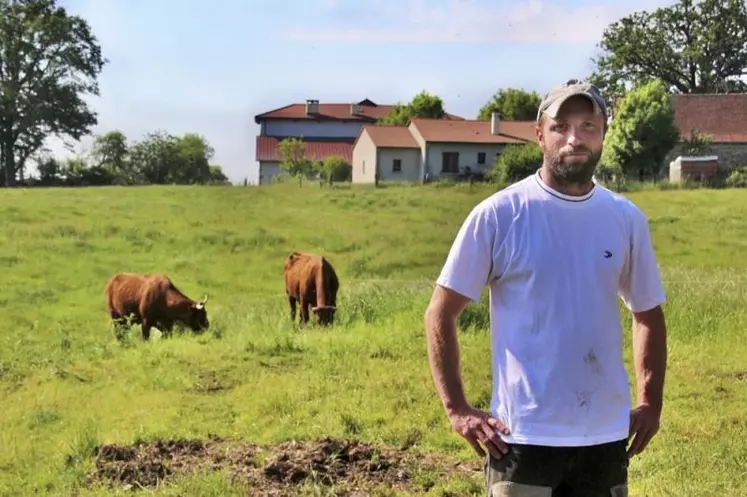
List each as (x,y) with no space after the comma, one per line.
(153,300)
(311,281)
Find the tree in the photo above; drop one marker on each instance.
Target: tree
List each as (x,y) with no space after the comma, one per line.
(217,177)
(516,162)
(693,47)
(334,168)
(110,152)
(642,133)
(293,159)
(48,61)
(195,153)
(423,104)
(513,104)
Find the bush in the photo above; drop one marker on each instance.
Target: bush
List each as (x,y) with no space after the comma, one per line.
(737,178)
(516,162)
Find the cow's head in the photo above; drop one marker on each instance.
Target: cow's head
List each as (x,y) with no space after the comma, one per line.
(198,319)
(325,314)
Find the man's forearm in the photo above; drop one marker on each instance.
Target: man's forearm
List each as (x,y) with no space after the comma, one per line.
(650,356)
(443,357)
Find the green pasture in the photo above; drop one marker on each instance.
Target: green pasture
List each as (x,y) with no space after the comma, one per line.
(67,384)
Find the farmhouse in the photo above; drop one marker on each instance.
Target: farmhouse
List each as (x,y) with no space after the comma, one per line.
(721,116)
(434,147)
(327,129)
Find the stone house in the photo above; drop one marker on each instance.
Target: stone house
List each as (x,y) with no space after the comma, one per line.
(723,117)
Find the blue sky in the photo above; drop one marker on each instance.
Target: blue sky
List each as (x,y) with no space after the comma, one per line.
(192,66)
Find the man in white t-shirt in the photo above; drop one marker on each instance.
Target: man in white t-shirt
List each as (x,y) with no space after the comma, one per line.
(556,250)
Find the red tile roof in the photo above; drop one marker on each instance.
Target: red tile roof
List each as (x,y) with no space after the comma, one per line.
(474,131)
(390,136)
(316,149)
(723,116)
(367,111)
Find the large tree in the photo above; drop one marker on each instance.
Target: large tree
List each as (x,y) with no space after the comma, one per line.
(513,104)
(692,46)
(423,104)
(49,60)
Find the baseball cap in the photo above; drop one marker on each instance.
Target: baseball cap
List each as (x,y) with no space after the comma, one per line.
(558,95)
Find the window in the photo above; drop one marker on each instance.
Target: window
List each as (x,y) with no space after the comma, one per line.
(481,157)
(450,162)
(397,165)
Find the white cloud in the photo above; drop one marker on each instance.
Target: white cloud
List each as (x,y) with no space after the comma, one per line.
(533,21)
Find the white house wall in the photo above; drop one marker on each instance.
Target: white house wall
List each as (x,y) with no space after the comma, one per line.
(364,160)
(411,163)
(423,149)
(309,129)
(467,156)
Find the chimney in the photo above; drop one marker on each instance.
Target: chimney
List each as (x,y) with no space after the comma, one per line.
(495,121)
(355,109)
(312,107)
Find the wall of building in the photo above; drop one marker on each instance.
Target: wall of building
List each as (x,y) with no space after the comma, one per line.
(410,164)
(364,160)
(309,129)
(467,156)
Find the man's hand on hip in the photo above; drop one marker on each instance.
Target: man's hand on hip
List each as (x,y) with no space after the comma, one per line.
(644,424)
(476,426)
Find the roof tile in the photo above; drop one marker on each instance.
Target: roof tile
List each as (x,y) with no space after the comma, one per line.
(391,136)
(367,112)
(474,131)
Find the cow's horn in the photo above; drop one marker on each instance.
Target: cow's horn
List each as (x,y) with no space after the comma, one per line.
(204,301)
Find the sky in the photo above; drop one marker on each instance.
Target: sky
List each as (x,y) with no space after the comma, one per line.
(188,66)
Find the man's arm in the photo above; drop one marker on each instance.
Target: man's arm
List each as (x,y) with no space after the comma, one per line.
(650,356)
(643,293)
(468,268)
(443,346)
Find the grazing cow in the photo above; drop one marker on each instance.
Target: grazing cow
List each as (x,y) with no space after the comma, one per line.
(310,280)
(153,300)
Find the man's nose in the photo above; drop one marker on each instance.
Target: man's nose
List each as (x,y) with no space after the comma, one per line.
(574,138)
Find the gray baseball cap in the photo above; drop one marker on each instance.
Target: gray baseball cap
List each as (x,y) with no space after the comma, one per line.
(550,105)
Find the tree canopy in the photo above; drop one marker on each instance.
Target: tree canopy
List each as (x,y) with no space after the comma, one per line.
(49,60)
(691,46)
(423,104)
(642,133)
(513,104)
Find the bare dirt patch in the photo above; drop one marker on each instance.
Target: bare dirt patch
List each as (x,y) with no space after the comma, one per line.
(353,468)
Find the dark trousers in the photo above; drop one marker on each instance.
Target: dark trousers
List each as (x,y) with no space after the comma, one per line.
(540,471)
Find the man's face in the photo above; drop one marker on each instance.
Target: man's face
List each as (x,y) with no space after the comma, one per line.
(572,142)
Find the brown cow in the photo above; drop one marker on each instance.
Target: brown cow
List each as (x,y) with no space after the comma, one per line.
(153,300)
(310,280)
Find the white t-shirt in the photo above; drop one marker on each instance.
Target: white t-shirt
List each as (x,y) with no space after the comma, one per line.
(555,265)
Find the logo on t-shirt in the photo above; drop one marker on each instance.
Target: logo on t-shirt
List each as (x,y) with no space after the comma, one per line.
(607,254)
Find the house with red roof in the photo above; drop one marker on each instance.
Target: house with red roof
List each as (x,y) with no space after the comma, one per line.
(327,129)
(721,116)
(435,147)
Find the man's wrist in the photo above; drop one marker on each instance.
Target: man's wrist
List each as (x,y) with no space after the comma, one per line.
(455,406)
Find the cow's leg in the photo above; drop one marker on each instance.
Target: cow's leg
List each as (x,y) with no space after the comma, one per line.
(292,303)
(146,326)
(305,304)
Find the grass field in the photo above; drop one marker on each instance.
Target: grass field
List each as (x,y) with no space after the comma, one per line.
(67,385)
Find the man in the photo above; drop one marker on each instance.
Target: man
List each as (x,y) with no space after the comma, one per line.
(556,250)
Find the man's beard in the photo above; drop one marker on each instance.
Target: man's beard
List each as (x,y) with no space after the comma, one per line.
(573,173)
